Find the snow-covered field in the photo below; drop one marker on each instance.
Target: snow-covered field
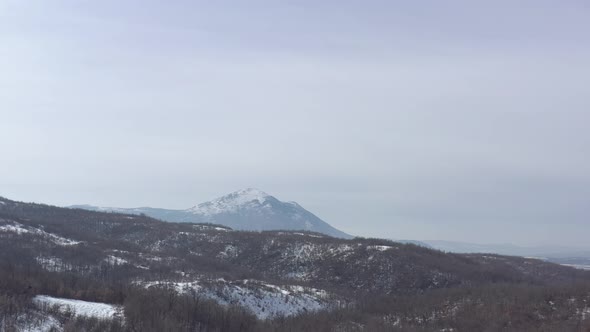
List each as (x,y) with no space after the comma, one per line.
(80,308)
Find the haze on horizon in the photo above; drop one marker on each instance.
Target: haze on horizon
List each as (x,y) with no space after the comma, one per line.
(455,121)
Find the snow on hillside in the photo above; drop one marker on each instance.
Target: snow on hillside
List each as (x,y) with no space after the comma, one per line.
(211,227)
(231,203)
(15,227)
(114,260)
(80,308)
(248,209)
(34,321)
(381,248)
(253,209)
(52,264)
(262,299)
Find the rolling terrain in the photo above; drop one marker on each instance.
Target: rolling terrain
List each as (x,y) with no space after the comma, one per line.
(74,269)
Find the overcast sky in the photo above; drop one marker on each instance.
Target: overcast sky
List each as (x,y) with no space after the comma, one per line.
(451,120)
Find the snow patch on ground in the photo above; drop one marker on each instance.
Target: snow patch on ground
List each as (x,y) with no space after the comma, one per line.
(380,248)
(298,275)
(80,308)
(341,249)
(20,229)
(151,258)
(310,235)
(114,260)
(584,313)
(301,252)
(14,228)
(53,264)
(211,227)
(495,258)
(262,299)
(230,251)
(36,322)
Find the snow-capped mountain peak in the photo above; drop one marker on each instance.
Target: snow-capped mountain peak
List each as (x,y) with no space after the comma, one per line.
(247,209)
(253,209)
(232,202)
(246,196)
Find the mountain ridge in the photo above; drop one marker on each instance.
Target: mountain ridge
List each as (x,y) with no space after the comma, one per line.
(248,209)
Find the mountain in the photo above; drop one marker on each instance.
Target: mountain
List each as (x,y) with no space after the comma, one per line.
(60,266)
(249,209)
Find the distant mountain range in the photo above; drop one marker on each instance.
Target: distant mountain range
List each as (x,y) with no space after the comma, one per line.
(575,257)
(508,249)
(249,209)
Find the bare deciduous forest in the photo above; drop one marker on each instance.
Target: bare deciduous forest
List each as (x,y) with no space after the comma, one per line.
(137,264)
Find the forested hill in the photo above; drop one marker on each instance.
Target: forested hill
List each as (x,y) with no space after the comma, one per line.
(161,276)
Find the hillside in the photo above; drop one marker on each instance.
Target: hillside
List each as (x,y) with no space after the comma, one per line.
(131,267)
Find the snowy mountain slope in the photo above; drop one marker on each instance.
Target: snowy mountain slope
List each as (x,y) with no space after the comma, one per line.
(262,299)
(15,227)
(80,308)
(249,209)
